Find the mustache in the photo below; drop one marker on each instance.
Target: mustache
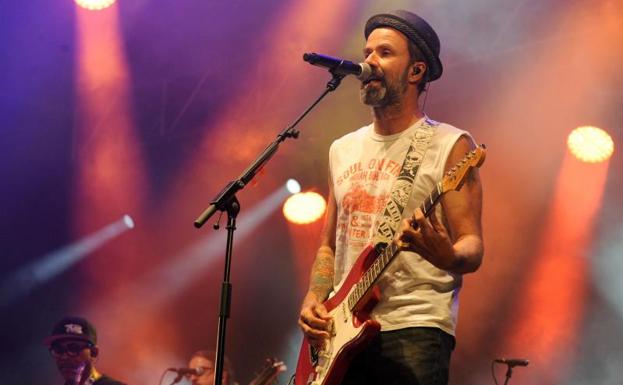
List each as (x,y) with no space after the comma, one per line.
(72,366)
(376,75)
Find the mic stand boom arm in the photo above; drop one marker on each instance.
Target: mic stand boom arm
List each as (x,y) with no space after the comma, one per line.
(228,192)
(226,201)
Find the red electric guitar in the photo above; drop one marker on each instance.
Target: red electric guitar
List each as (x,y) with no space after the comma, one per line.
(351,328)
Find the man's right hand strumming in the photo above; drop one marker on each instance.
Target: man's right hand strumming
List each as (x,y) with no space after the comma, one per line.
(314,320)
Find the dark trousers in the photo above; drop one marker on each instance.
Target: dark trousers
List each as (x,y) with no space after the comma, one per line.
(411,356)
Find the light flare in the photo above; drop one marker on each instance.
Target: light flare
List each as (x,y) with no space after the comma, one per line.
(552,307)
(293,186)
(590,144)
(304,208)
(95,5)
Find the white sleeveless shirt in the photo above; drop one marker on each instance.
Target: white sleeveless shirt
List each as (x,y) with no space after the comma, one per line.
(363,166)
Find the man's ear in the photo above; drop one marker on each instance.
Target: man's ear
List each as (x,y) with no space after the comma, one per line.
(95,351)
(417,72)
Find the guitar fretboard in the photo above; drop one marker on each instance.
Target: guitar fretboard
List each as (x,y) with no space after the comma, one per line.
(388,253)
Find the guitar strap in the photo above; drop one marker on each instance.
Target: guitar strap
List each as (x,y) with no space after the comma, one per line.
(390,218)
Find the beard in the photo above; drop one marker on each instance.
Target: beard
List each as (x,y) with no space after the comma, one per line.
(384,93)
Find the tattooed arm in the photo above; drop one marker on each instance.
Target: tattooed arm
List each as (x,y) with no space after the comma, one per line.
(313,319)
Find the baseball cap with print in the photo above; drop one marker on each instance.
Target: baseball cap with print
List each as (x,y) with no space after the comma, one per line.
(76,328)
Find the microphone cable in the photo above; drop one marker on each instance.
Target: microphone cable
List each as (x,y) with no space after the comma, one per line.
(162,376)
(495,380)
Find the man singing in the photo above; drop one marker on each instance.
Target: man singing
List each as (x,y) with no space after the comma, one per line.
(419,289)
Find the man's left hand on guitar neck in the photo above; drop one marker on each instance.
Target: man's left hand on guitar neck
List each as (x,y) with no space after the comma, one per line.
(429,238)
(459,247)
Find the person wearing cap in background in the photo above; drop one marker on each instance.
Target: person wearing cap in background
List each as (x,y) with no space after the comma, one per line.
(419,289)
(73,345)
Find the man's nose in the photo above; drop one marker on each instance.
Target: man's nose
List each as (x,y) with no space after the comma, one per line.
(63,356)
(372,60)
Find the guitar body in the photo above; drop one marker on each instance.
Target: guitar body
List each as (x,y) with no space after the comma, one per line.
(352,331)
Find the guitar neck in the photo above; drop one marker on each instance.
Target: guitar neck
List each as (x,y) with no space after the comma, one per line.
(453,179)
(388,254)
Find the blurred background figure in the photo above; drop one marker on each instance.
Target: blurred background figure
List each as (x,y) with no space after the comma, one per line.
(73,345)
(206,359)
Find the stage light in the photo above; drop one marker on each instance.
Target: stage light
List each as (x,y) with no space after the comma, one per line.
(303,208)
(185,267)
(128,221)
(23,281)
(95,5)
(293,186)
(590,144)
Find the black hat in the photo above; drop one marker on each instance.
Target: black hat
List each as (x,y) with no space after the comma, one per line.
(417,30)
(76,328)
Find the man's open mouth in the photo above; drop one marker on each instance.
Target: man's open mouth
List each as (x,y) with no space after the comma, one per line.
(372,78)
(70,367)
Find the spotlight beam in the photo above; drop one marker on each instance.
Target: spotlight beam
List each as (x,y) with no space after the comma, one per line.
(185,267)
(50,265)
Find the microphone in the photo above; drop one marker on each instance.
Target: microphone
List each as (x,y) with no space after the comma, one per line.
(79,372)
(187,371)
(512,361)
(339,66)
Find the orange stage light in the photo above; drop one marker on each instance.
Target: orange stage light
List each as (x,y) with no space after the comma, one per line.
(590,144)
(304,208)
(95,5)
(550,312)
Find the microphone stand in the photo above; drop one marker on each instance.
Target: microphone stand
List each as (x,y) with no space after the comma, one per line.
(226,201)
(178,378)
(509,373)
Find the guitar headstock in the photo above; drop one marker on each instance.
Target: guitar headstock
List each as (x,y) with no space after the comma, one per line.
(455,177)
(269,372)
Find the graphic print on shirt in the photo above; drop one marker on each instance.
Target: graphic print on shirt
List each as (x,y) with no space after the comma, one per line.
(367,187)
